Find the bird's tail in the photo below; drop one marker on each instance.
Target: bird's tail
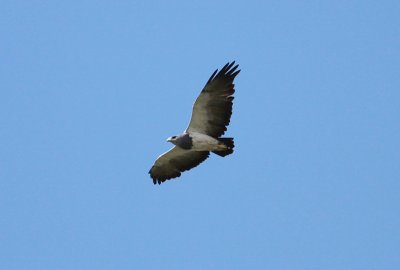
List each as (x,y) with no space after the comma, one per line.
(226,145)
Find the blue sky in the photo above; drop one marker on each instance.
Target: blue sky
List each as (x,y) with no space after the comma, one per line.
(90,90)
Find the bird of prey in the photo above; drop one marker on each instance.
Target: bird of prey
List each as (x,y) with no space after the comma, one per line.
(211,115)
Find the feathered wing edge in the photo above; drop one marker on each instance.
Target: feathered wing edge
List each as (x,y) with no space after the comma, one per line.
(225,71)
(175,161)
(212,109)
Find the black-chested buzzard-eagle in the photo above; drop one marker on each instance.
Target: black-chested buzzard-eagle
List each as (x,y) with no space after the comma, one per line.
(211,115)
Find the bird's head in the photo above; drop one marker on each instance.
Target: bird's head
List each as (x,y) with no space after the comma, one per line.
(172,139)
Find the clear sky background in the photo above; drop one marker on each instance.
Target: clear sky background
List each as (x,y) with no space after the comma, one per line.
(90,90)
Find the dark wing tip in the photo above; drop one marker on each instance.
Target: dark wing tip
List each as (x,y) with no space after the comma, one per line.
(158,181)
(233,75)
(212,76)
(229,70)
(159,178)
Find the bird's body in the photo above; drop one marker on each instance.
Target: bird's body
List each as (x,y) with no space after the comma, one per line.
(210,117)
(197,142)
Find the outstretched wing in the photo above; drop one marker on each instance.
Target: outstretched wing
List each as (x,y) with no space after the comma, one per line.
(213,108)
(175,161)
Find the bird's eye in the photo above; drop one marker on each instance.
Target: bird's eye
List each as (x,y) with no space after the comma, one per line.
(173,137)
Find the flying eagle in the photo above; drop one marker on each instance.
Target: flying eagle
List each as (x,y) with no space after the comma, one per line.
(211,115)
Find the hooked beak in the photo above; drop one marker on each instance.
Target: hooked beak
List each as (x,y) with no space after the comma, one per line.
(169,139)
